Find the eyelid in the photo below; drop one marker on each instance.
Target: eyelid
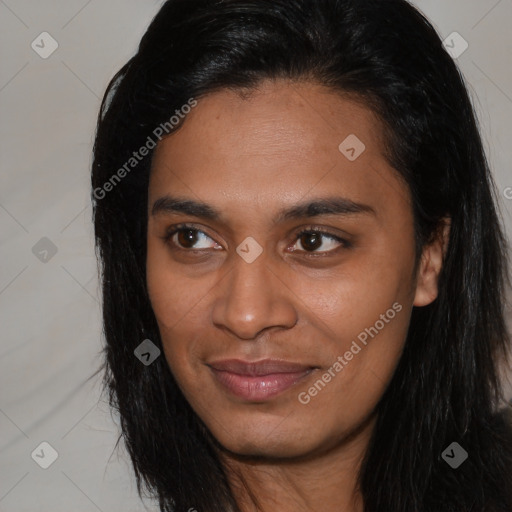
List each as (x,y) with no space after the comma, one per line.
(172,230)
(320,229)
(344,241)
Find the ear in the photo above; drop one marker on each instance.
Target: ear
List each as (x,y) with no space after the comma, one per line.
(431,264)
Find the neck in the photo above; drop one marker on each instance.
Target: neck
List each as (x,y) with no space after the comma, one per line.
(328,477)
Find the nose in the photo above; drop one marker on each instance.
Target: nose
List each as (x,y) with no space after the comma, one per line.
(252,298)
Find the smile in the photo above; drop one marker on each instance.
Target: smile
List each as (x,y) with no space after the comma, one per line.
(258,381)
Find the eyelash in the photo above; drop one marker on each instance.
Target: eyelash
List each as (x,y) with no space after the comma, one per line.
(345,244)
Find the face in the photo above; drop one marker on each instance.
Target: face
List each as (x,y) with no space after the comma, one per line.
(280,266)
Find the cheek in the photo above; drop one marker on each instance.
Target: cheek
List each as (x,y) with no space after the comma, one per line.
(361,315)
(174,296)
(172,301)
(351,297)
(180,318)
(347,390)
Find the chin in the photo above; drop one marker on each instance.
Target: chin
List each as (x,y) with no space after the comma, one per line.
(264,449)
(274,439)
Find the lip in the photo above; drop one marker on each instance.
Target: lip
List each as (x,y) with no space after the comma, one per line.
(257,381)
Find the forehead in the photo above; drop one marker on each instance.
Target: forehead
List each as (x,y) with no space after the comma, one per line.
(276,117)
(275,144)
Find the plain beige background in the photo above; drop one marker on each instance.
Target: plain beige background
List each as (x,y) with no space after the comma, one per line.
(49,310)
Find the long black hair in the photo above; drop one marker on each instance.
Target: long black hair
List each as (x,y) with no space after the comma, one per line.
(446,387)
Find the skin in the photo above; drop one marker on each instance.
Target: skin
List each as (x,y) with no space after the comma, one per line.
(249,157)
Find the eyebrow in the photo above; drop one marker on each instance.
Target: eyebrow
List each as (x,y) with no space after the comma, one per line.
(321,206)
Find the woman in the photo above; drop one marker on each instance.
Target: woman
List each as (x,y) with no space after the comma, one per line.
(303,268)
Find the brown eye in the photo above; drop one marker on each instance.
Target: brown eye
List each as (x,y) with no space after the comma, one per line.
(314,239)
(311,241)
(187,237)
